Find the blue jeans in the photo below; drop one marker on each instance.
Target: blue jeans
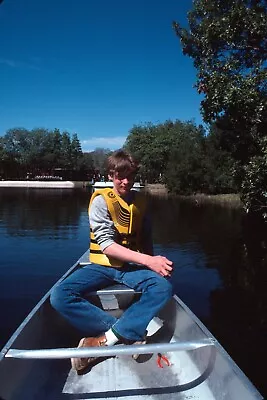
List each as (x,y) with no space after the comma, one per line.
(69,299)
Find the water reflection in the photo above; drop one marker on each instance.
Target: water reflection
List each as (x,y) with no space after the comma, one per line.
(42,233)
(41,212)
(221,273)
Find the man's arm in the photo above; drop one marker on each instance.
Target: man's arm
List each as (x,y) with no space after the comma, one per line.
(101,223)
(159,264)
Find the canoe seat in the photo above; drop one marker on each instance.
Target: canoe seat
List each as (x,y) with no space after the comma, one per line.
(115,289)
(114,297)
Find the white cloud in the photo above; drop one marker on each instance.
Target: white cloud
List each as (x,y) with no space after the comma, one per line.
(112,143)
(10,63)
(18,64)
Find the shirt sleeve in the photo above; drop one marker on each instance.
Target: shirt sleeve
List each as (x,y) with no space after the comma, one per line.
(101,222)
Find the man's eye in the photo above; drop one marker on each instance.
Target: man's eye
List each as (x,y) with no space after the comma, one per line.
(129,177)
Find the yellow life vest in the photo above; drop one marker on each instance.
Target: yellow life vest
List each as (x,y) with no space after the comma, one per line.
(127,220)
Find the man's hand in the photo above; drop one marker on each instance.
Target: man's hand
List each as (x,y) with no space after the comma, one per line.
(159,264)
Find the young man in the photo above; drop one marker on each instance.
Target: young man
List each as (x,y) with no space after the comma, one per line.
(121,251)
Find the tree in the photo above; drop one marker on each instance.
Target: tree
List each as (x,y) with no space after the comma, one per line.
(76,151)
(255,182)
(40,151)
(151,145)
(228,41)
(6,162)
(99,156)
(65,158)
(16,145)
(54,147)
(87,166)
(218,164)
(185,169)
(182,156)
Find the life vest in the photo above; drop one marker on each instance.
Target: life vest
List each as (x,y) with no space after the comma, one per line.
(127,218)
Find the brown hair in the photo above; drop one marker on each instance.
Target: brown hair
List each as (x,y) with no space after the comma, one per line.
(122,162)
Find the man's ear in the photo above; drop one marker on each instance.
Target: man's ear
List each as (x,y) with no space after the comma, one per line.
(110,177)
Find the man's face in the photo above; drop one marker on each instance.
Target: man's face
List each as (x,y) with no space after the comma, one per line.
(123,183)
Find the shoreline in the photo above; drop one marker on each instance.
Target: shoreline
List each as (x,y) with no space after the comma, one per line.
(229,200)
(45,184)
(156,189)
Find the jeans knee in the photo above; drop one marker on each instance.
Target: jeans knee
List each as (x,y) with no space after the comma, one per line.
(168,288)
(57,298)
(164,286)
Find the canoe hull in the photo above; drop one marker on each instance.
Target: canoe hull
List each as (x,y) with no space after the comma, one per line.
(205,373)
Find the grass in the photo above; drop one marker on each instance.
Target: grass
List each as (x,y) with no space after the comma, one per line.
(230,200)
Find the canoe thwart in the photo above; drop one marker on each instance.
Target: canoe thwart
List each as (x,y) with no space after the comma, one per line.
(109,351)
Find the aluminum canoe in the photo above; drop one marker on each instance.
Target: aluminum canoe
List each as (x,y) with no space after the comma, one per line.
(35,365)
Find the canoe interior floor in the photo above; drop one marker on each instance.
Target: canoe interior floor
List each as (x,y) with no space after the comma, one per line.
(203,374)
(119,378)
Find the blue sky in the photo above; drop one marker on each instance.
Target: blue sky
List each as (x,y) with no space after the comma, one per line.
(95,68)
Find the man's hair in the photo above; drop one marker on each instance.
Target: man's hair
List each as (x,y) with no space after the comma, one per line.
(122,162)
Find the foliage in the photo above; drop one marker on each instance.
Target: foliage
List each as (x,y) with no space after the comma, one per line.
(25,153)
(181,155)
(219,165)
(75,151)
(255,182)
(86,163)
(228,41)
(99,157)
(151,145)
(65,150)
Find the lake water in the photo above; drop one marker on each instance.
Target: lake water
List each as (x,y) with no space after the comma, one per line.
(219,269)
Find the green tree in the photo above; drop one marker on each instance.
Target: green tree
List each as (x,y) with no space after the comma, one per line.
(76,152)
(99,156)
(53,150)
(5,161)
(181,155)
(140,143)
(37,151)
(28,149)
(185,172)
(254,183)
(40,151)
(219,165)
(151,145)
(228,41)
(65,157)
(87,166)
(16,144)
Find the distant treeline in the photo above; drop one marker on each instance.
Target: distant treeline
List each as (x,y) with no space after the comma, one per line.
(41,152)
(183,156)
(178,154)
